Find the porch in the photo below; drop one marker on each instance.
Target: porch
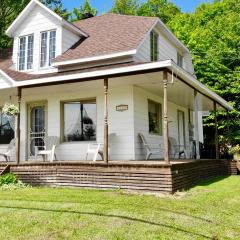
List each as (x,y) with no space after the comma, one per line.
(158,104)
(150,176)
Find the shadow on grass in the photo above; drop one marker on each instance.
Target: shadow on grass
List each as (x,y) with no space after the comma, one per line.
(111,216)
(210,181)
(86,202)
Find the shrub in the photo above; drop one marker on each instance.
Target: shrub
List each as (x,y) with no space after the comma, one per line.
(7,179)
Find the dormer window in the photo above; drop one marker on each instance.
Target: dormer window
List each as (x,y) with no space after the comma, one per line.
(25,55)
(48,48)
(179,60)
(154,46)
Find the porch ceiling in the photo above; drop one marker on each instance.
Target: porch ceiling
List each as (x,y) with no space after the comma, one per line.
(178,92)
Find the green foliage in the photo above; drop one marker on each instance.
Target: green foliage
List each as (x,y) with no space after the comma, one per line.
(82,10)
(127,7)
(10,9)
(8,178)
(212,33)
(163,9)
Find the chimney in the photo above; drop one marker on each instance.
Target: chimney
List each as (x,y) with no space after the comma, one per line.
(87,15)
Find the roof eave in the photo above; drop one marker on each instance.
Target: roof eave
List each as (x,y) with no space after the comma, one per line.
(95,58)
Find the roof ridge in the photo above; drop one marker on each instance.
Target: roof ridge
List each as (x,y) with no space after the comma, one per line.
(115,14)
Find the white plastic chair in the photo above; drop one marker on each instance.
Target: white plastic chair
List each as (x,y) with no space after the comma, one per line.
(176,149)
(97,148)
(94,148)
(151,149)
(7,155)
(51,143)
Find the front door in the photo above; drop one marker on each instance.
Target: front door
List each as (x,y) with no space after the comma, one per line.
(36,127)
(181,130)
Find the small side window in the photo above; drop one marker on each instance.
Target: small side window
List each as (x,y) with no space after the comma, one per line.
(179,60)
(154,117)
(154,46)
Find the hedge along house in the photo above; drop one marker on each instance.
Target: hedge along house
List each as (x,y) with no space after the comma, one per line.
(105,79)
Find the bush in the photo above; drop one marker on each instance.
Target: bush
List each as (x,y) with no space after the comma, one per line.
(7,179)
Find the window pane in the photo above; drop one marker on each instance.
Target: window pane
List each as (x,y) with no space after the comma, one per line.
(79,121)
(155,117)
(179,60)
(22,53)
(6,128)
(154,46)
(52,46)
(43,56)
(30,52)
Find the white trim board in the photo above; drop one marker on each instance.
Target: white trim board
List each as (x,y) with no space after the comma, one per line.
(29,7)
(131,69)
(92,59)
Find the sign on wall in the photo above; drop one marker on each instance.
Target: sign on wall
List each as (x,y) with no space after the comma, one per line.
(122,108)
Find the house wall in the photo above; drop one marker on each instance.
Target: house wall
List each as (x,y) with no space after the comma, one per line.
(38,21)
(141,97)
(167,50)
(120,123)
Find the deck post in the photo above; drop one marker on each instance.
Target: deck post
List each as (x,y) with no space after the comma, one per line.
(165,118)
(216,130)
(105,147)
(196,124)
(19,96)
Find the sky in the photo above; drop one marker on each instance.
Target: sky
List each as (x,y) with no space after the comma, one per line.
(104,6)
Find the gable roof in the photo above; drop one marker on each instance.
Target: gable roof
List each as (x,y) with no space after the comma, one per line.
(29,8)
(109,34)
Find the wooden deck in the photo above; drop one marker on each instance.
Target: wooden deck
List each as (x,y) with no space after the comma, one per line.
(155,176)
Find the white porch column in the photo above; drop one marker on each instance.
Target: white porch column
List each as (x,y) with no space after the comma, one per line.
(105,147)
(216,130)
(19,96)
(165,119)
(196,124)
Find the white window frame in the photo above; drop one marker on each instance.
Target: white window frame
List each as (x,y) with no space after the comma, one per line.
(180,59)
(26,53)
(154,52)
(48,62)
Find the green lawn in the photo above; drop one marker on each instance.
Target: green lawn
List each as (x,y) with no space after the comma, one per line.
(208,211)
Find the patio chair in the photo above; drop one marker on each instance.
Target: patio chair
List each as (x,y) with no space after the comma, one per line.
(176,149)
(51,143)
(97,148)
(94,148)
(11,147)
(151,148)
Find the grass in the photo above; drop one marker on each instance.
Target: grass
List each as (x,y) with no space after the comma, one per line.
(208,211)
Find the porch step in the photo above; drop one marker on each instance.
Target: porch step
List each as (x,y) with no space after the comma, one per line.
(4,169)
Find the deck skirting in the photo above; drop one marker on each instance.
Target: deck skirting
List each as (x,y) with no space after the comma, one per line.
(138,177)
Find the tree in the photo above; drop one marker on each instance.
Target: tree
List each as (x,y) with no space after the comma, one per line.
(127,7)
(86,8)
(163,9)
(10,9)
(212,33)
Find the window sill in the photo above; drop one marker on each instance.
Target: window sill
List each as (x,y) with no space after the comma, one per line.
(77,142)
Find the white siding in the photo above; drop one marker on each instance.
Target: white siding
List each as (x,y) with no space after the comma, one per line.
(141,97)
(167,51)
(37,21)
(4,83)
(68,39)
(120,123)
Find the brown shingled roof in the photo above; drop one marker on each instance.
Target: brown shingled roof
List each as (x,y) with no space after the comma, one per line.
(110,33)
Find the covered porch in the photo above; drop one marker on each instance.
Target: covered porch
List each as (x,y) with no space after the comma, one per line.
(125,103)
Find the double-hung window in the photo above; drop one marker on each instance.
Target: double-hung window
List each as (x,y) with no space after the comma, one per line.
(25,55)
(6,128)
(154,46)
(154,117)
(48,48)
(179,60)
